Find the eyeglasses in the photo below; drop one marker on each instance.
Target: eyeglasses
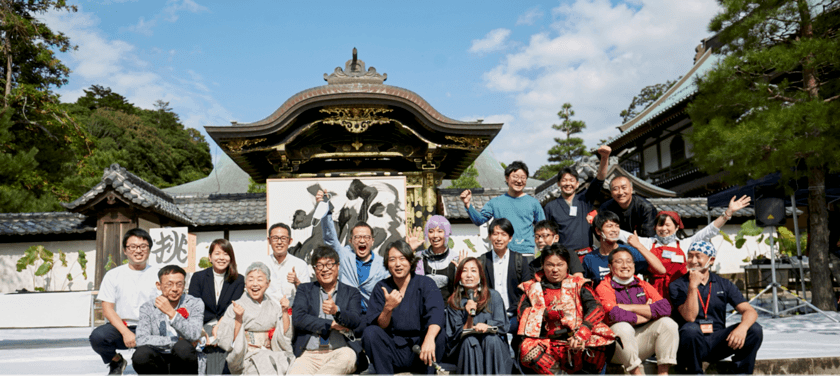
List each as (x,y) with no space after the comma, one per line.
(518,177)
(280,239)
(321,267)
(137,247)
(169,285)
(623,262)
(362,237)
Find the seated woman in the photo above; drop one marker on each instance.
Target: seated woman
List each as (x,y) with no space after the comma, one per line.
(670,242)
(560,320)
(476,324)
(405,315)
(217,286)
(438,262)
(256,331)
(637,315)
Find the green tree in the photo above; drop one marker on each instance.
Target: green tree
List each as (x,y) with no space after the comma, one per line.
(771,105)
(568,150)
(646,97)
(467,179)
(253,187)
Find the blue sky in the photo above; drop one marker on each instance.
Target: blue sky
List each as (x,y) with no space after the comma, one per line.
(503,61)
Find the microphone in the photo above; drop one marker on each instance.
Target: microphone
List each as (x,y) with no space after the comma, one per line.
(471,297)
(416,350)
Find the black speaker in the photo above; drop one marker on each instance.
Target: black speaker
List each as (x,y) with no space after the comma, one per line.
(769,206)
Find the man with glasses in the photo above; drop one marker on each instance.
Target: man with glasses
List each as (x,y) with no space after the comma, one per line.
(122,291)
(357,268)
(326,312)
(169,327)
(522,210)
(291,270)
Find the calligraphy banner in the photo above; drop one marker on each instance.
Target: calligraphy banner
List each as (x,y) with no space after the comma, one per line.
(171,247)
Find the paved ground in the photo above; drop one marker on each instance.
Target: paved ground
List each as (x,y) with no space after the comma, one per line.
(66,350)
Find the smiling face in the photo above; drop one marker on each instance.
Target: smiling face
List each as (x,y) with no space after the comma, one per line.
(500,239)
(326,271)
(667,228)
(621,191)
(568,185)
(362,242)
(437,237)
(279,238)
(255,284)
(171,286)
(220,259)
(697,260)
(544,237)
(398,265)
(556,269)
(609,231)
(622,265)
(470,278)
(516,181)
(136,250)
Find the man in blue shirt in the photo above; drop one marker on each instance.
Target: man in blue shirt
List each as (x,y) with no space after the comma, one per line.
(522,210)
(701,298)
(570,209)
(596,264)
(357,267)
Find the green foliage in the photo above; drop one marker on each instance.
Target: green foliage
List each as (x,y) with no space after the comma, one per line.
(43,260)
(253,187)
(566,150)
(786,241)
(470,245)
(204,262)
(646,97)
(467,179)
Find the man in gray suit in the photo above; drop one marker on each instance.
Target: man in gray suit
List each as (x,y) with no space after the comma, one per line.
(169,327)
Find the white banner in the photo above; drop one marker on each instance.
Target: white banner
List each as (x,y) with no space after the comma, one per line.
(171,247)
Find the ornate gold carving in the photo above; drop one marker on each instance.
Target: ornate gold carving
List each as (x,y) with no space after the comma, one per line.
(237,144)
(357,145)
(356,119)
(466,143)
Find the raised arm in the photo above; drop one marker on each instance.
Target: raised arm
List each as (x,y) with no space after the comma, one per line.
(654,264)
(477,218)
(604,163)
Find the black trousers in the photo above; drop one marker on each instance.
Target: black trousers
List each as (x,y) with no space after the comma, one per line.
(696,347)
(387,358)
(106,340)
(183,360)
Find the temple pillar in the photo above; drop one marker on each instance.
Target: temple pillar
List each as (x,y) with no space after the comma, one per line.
(421,199)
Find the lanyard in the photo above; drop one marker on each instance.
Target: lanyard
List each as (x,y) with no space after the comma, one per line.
(708,298)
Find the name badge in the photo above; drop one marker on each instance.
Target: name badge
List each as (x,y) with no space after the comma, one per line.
(573,211)
(706,326)
(668,254)
(679,259)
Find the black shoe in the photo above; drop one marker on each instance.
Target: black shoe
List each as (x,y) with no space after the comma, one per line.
(117,367)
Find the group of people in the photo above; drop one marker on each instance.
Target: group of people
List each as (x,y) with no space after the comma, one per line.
(573,308)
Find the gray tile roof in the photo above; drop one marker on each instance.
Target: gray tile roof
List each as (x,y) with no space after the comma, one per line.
(43,223)
(224,209)
(453,207)
(695,207)
(133,189)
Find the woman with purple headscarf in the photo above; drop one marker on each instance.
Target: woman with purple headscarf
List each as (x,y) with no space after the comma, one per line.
(437,262)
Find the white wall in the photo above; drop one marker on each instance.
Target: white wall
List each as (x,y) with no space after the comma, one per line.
(249,246)
(12,280)
(476,235)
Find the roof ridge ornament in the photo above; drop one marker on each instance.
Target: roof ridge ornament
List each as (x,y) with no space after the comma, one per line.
(354,72)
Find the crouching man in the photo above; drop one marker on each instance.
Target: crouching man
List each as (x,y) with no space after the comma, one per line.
(638,315)
(169,327)
(325,313)
(701,297)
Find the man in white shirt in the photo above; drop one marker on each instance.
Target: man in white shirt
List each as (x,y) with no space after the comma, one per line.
(123,290)
(291,271)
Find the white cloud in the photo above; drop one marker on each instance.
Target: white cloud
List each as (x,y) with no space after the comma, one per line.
(117,64)
(495,40)
(596,56)
(143,27)
(530,16)
(169,13)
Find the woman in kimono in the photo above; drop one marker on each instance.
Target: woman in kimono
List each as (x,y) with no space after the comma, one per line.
(476,324)
(562,321)
(405,317)
(256,331)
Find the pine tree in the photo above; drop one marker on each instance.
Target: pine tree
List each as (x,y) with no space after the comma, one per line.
(467,179)
(567,150)
(771,105)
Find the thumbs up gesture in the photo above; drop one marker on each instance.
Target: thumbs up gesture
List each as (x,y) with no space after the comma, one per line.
(292,277)
(392,299)
(329,307)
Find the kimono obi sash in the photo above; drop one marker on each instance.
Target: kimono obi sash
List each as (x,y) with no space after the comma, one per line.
(259,339)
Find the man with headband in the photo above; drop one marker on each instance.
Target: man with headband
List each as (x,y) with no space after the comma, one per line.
(701,297)
(437,262)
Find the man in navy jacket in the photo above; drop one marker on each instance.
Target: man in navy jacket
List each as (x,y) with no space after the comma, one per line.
(325,314)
